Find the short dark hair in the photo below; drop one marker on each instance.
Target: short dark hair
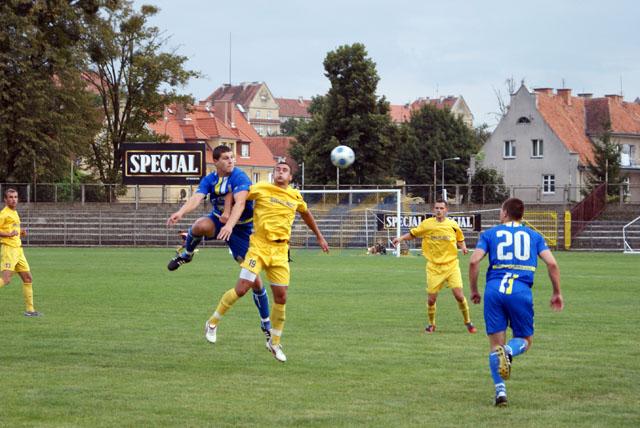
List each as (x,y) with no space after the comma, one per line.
(441,201)
(9,190)
(281,162)
(514,208)
(218,151)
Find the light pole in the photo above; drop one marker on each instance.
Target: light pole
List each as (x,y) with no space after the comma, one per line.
(302,165)
(444,191)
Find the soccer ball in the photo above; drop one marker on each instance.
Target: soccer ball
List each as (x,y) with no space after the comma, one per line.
(342,156)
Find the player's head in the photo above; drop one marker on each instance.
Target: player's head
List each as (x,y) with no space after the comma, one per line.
(512,210)
(223,159)
(11,197)
(282,174)
(440,208)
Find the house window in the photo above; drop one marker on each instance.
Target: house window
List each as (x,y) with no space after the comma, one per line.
(549,183)
(509,149)
(523,119)
(256,177)
(257,114)
(244,150)
(537,148)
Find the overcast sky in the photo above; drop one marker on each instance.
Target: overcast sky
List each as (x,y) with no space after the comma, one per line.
(422,48)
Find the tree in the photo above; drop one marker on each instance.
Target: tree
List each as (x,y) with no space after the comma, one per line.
(46,116)
(487,186)
(605,165)
(349,114)
(431,135)
(134,78)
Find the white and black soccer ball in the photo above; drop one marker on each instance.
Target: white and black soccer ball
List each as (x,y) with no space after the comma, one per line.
(342,156)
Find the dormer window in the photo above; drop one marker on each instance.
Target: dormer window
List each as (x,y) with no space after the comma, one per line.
(523,119)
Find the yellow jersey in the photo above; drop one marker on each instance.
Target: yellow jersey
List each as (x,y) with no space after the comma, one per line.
(439,239)
(10,220)
(274,210)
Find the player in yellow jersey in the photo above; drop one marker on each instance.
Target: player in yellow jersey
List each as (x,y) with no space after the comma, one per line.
(12,257)
(441,238)
(275,207)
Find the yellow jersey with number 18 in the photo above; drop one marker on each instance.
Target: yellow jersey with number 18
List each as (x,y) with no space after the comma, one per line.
(9,221)
(274,210)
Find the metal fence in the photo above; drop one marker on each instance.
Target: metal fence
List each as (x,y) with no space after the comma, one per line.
(457,194)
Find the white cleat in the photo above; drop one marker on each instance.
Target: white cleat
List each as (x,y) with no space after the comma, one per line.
(210,332)
(276,350)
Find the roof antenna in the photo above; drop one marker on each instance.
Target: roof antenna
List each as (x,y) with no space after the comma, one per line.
(621,93)
(229,58)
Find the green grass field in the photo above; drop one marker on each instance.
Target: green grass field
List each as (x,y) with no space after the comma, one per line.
(121,344)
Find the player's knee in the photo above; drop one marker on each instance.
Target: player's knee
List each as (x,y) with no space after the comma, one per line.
(243,286)
(202,227)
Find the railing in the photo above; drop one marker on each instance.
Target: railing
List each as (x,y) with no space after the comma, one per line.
(457,194)
(588,209)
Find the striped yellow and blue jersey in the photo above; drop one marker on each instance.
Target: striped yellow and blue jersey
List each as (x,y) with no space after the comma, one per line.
(512,248)
(216,188)
(10,221)
(439,239)
(274,210)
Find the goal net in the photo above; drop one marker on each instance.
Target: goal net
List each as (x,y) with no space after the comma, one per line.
(340,217)
(631,236)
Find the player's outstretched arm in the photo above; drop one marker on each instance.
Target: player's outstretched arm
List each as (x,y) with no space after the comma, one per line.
(405,237)
(474,271)
(310,221)
(240,200)
(188,206)
(557,302)
(463,246)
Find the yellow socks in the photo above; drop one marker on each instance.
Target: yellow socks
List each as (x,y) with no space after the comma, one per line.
(464,308)
(227,300)
(431,313)
(277,322)
(27,292)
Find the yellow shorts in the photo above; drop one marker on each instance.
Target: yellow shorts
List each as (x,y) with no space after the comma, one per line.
(271,256)
(13,259)
(438,275)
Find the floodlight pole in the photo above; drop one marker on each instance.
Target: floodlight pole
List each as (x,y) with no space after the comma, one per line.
(337,178)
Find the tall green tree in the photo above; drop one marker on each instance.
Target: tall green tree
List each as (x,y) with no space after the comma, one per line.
(46,116)
(134,77)
(605,165)
(349,114)
(431,135)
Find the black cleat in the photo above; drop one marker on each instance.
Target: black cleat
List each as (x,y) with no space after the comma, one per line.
(180,259)
(501,401)
(505,362)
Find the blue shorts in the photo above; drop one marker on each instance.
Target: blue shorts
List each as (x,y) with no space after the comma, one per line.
(238,241)
(515,309)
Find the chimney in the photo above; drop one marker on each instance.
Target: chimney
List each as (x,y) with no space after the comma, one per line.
(586,95)
(565,94)
(547,91)
(223,110)
(615,98)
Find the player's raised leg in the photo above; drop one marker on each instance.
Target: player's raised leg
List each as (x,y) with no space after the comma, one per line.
(261,300)
(278,316)
(229,298)
(202,227)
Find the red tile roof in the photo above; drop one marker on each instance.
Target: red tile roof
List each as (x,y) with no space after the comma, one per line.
(241,94)
(402,113)
(567,120)
(279,146)
(624,117)
(291,107)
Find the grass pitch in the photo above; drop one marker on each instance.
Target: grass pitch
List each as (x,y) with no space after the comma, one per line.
(121,344)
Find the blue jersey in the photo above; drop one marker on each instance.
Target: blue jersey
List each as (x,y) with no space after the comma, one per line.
(513,249)
(217,187)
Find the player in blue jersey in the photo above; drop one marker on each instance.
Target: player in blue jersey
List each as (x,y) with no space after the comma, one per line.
(234,227)
(513,251)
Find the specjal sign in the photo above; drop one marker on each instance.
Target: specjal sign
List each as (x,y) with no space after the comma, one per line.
(160,163)
(409,221)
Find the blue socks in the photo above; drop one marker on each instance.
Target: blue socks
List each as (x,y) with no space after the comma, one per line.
(494,364)
(262,303)
(516,346)
(191,242)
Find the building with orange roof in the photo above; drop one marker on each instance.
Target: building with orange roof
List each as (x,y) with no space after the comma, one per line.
(255,101)
(222,123)
(544,142)
(293,108)
(457,105)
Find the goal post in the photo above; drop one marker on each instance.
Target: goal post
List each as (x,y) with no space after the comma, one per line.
(631,236)
(341,222)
